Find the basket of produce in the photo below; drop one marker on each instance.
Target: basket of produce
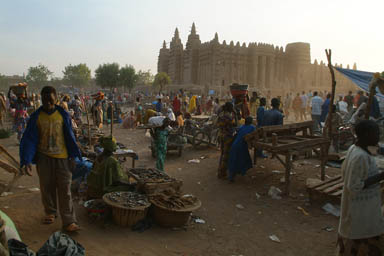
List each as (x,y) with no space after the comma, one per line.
(152,180)
(170,209)
(238,90)
(128,208)
(95,206)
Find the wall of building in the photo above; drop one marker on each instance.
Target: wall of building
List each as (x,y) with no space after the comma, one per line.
(265,67)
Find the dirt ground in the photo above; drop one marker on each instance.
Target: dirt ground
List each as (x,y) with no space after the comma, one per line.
(227,231)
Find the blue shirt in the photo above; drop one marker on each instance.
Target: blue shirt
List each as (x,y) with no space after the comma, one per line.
(159,106)
(316,103)
(260,116)
(272,117)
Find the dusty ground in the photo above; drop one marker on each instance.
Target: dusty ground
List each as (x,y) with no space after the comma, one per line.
(228,230)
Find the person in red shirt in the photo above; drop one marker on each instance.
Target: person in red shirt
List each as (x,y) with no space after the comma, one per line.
(356,99)
(176,104)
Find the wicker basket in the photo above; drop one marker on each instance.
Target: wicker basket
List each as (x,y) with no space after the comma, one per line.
(124,216)
(172,217)
(154,188)
(150,188)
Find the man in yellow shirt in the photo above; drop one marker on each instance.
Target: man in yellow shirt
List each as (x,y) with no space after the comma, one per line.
(49,142)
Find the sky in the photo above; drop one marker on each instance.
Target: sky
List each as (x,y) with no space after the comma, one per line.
(58,33)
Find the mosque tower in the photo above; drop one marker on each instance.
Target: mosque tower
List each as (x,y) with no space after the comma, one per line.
(175,67)
(163,60)
(191,57)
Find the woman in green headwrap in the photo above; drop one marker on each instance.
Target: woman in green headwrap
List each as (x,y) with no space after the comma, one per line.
(161,137)
(107,175)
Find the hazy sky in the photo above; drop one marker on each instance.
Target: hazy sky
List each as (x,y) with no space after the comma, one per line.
(58,33)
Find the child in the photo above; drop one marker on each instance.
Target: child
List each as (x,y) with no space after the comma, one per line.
(260,120)
(179,119)
(361,220)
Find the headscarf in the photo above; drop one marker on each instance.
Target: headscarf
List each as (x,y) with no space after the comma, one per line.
(108,143)
(171,115)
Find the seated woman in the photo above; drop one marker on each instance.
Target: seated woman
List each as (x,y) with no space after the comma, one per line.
(239,159)
(107,175)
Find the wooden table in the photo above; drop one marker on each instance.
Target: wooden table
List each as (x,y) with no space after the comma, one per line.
(130,154)
(287,141)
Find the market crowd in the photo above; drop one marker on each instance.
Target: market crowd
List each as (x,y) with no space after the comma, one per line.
(50,129)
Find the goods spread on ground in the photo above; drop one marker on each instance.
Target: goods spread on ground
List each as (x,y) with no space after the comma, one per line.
(149,175)
(127,199)
(171,200)
(151,181)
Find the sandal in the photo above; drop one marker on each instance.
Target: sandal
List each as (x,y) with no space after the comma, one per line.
(49,219)
(72,228)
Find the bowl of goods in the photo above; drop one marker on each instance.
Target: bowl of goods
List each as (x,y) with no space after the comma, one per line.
(172,209)
(151,180)
(128,208)
(238,90)
(95,206)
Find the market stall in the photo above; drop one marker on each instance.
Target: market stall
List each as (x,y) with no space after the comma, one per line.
(286,141)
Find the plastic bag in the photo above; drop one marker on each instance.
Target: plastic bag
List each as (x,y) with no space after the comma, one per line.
(58,244)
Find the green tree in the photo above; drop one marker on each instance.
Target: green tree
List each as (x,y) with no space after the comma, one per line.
(3,82)
(38,76)
(77,75)
(107,75)
(162,79)
(145,77)
(128,77)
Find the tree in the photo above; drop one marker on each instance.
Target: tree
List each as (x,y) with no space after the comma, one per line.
(3,81)
(128,77)
(145,77)
(107,75)
(38,76)
(77,75)
(161,79)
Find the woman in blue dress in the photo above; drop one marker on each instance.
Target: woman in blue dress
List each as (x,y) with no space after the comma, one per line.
(239,159)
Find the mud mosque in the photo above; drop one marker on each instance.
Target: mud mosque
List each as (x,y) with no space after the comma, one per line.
(265,67)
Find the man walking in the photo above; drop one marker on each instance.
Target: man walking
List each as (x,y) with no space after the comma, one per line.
(316,104)
(304,103)
(49,142)
(349,100)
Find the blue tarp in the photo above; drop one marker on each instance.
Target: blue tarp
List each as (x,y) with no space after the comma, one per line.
(360,78)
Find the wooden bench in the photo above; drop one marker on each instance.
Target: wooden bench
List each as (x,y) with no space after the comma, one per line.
(330,190)
(286,141)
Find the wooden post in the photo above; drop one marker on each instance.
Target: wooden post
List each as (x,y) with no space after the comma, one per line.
(274,143)
(329,118)
(112,119)
(89,126)
(323,158)
(288,167)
